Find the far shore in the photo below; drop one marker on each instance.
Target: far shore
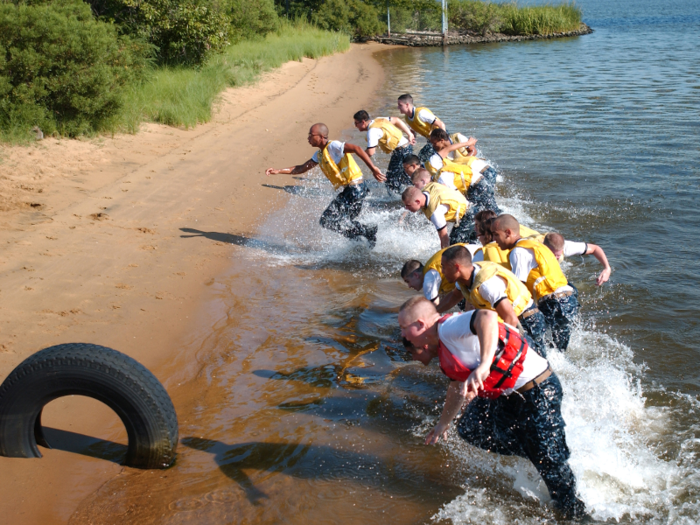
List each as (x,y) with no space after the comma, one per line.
(432,39)
(114,240)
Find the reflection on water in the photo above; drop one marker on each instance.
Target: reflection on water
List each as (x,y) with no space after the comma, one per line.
(304,408)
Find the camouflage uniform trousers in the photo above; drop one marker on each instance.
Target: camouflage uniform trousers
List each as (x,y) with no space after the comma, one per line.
(529,425)
(560,314)
(396,177)
(341,213)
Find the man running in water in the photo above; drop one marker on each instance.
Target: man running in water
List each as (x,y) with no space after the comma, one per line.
(336,162)
(440,206)
(423,121)
(535,265)
(386,133)
(522,418)
(487,285)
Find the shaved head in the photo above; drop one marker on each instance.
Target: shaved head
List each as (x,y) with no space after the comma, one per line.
(417,308)
(320,128)
(420,174)
(505,222)
(410,193)
(554,241)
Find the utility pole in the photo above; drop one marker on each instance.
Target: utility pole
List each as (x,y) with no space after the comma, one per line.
(388,20)
(444,22)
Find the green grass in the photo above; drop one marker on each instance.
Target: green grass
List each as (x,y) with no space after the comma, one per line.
(486,17)
(185,96)
(539,20)
(179,96)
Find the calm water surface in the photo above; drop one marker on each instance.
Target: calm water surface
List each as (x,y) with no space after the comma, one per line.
(306,410)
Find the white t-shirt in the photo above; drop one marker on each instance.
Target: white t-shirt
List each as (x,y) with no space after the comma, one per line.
(438,216)
(478,256)
(572,248)
(431,284)
(455,333)
(493,290)
(522,261)
(335,149)
(374,134)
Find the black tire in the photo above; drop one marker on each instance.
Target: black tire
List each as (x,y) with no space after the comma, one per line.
(111,377)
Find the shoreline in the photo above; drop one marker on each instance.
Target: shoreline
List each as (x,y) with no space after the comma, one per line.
(427,39)
(116,241)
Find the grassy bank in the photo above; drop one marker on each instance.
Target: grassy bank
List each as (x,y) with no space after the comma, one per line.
(482,18)
(184,95)
(179,96)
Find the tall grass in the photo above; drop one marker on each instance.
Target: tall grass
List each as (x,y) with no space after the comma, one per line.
(179,96)
(486,17)
(540,19)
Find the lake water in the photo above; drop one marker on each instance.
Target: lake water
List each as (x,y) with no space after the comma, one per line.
(314,415)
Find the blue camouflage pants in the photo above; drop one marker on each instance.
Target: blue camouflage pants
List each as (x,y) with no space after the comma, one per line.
(426,152)
(560,313)
(465,232)
(343,210)
(529,425)
(396,177)
(536,327)
(481,194)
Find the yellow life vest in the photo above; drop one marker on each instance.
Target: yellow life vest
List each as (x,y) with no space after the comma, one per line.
(547,277)
(461,152)
(339,174)
(462,171)
(492,253)
(417,125)
(529,233)
(392,135)
(435,263)
(517,293)
(439,194)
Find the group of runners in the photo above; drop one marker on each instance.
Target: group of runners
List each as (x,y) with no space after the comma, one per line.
(506,277)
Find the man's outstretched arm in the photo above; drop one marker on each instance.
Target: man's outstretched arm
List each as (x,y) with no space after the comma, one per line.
(293,170)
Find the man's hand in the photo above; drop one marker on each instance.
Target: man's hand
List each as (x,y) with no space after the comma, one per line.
(475,381)
(603,277)
(271,171)
(411,138)
(435,434)
(378,174)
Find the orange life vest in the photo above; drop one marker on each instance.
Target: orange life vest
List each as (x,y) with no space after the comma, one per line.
(506,367)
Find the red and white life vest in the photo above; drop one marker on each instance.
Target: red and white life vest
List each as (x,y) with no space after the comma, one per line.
(506,367)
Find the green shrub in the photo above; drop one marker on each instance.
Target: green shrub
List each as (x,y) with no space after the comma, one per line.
(61,70)
(353,17)
(182,31)
(249,18)
(475,16)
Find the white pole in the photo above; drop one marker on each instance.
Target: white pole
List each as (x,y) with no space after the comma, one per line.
(444,22)
(388,20)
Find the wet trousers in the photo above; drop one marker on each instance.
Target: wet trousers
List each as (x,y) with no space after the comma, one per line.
(481,195)
(465,232)
(343,210)
(560,314)
(536,327)
(529,425)
(396,177)
(426,152)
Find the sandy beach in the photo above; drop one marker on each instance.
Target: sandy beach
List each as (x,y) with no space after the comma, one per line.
(114,240)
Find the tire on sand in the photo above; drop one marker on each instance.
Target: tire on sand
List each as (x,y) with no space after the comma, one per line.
(111,377)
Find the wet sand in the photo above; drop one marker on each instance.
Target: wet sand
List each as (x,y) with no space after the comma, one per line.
(117,241)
